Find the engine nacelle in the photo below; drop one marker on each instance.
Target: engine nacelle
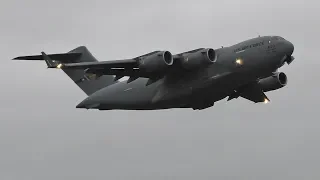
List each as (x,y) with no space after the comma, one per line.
(157,62)
(276,81)
(198,59)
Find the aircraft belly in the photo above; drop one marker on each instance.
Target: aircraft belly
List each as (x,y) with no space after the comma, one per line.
(213,90)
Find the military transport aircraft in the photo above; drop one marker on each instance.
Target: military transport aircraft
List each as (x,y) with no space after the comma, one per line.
(161,80)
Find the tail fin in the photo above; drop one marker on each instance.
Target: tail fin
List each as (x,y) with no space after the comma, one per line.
(80,54)
(89,86)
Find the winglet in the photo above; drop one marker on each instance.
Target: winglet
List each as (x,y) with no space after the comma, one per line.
(50,63)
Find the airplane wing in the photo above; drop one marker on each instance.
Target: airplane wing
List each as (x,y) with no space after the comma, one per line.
(153,65)
(131,67)
(252,92)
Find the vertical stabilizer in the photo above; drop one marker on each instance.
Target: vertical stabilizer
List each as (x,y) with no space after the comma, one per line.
(89,86)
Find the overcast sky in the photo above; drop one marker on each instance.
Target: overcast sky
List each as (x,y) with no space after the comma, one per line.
(43,135)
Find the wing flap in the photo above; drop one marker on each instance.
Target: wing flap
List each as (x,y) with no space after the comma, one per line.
(255,96)
(127,63)
(120,72)
(119,68)
(251,92)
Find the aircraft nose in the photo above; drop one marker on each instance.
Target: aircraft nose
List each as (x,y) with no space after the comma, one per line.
(289,48)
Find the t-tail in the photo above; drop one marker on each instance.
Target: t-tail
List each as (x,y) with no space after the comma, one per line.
(80,54)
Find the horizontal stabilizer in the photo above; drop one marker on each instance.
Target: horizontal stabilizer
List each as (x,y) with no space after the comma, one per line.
(64,58)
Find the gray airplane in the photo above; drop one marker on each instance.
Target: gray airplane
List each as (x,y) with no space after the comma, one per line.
(160,80)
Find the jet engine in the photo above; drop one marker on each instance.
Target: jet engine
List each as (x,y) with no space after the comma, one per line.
(276,81)
(157,62)
(198,59)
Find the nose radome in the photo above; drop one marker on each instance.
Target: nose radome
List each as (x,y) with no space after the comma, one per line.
(290,48)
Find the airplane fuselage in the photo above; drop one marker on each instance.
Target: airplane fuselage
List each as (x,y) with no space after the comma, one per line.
(239,64)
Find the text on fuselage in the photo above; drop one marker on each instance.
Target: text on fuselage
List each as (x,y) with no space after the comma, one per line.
(249,46)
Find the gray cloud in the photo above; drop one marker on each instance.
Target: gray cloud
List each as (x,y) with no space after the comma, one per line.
(43,136)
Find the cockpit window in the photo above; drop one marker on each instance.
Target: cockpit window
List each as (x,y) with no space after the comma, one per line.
(277,38)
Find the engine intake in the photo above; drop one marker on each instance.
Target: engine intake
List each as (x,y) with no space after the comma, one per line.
(199,58)
(276,81)
(157,62)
